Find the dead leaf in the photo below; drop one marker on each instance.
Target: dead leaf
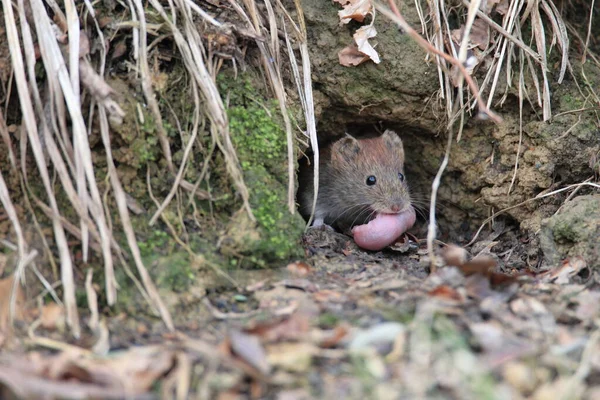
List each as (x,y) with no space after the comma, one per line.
(249,349)
(119,49)
(299,268)
(520,376)
(528,306)
(72,375)
(329,296)
(335,337)
(361,38)
(501,7)
(355,10)
(291,328)
(349,56)
(479,36)
(568,269)
(454,255)
(293,357)
(52,317)
(381,334)
(446,293)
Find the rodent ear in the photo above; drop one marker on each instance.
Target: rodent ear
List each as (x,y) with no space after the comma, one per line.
(391,139)
(347,147)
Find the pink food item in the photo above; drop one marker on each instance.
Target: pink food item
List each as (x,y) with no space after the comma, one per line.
(383,230)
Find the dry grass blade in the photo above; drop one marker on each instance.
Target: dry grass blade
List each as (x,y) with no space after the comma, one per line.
(271,64)
(7,141)
(191,51)
(24,258)
(396,17)
(121,200)
(53,61)
(146,81)
(304,87)
(31,127)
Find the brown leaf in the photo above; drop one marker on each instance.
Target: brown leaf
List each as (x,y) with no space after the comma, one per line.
(291,328)
(446,292)
(482,265)
(479,36)
(53,316)
(336,336)
(118,50)
(454,255)
(73,375)
(566,271)
(299,268)
(248,348)
(355,10)
(292,356)
(349,56)
(361,38)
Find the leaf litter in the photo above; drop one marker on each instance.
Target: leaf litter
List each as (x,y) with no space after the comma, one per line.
(343,313)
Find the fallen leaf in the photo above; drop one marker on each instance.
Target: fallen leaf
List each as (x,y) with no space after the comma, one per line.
(71,374)
(454,255)
(293,327)
(349,56)
(446,293)
(361,38)
(528,306)
(335,336)
(384,333)
(567,270)
(249,349)
(52,317)
(291,356)
(479,36)
(329,296)
(520,376)
(299,268)
(355,10)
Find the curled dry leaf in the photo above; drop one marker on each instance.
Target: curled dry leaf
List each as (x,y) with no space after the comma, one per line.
(299,268)
(349,56)
(481,265)
(70,375)
(361,50)
(291,328)
(479,36)
(566,271)
(447,293)
(52,317)
(354,10)
(249,349)
(454,255)
(292,356)
(361,37)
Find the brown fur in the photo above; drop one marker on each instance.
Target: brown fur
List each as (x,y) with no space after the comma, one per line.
(345,199)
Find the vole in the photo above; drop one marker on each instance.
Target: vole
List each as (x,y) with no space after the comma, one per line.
(362,190)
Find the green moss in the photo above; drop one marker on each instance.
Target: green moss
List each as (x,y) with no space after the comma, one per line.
(261,144)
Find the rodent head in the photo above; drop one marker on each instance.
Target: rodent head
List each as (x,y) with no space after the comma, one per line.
(372,172)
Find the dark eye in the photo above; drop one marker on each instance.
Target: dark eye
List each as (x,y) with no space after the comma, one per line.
(371,180)
(401,176)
